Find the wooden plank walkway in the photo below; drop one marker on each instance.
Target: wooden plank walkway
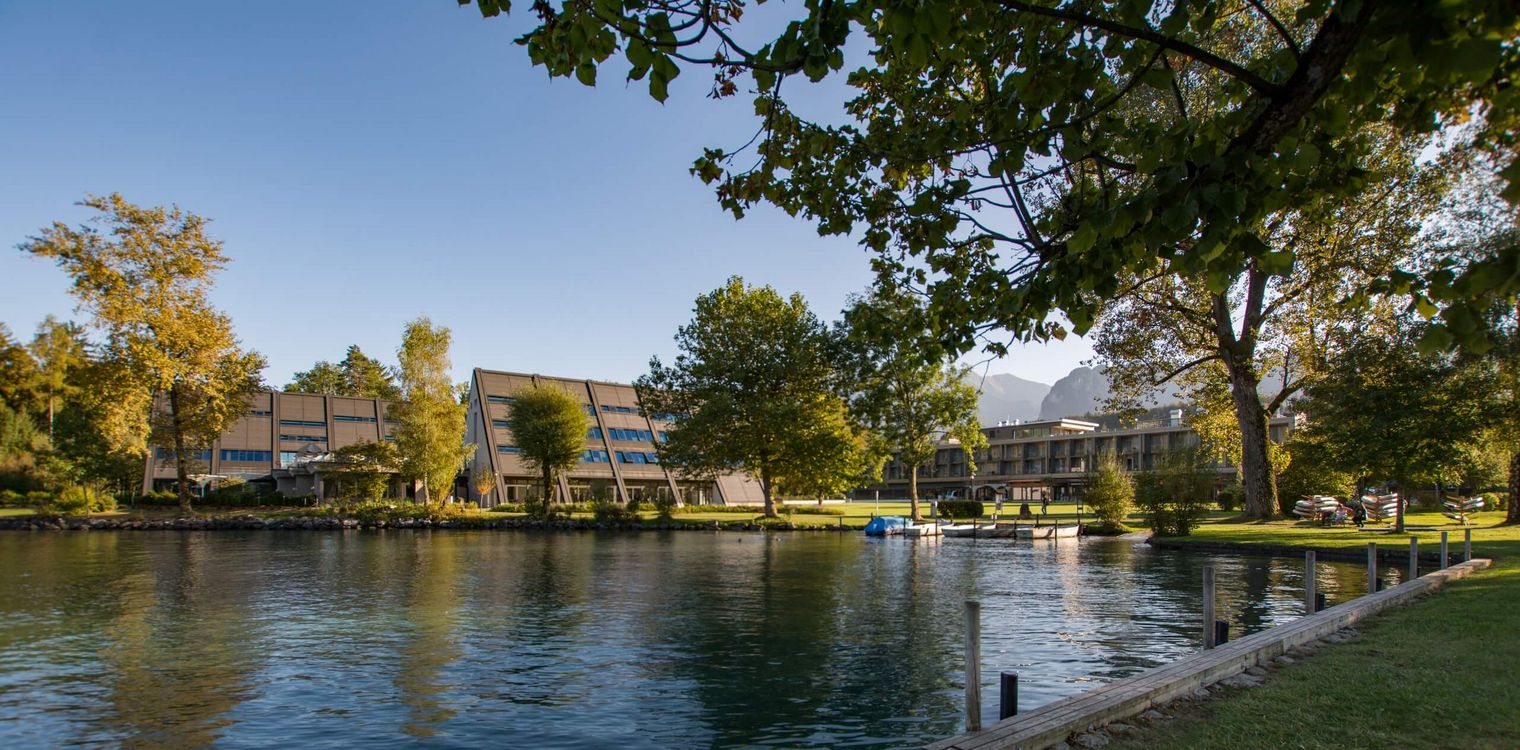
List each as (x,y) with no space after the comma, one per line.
(1053,722)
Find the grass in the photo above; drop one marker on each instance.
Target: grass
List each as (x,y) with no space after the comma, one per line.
(1437,674)
(1489,538)
(8,512)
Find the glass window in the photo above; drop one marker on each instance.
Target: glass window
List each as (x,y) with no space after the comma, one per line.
(304,438)
(596,457)
(508,449)
(501,399)
(595,433)
(371,420)
(246,456)
(287,458)
(502,423)
(260,413)
(619,409)
(301,423)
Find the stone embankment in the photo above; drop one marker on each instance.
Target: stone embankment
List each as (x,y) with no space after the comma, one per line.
(252,522)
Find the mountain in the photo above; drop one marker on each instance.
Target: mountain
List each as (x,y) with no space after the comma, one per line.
(1007,397)
(1084,390)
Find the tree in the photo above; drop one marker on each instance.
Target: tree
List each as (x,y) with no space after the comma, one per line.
(1384,411)
(901,388)
(1008,152)
(356,375)
(482,480)
(19,380)
(58,348)
(754,388)
(431,419)
(144,275)
(549,428)
(1110,492)
(364,469)
(1242,351)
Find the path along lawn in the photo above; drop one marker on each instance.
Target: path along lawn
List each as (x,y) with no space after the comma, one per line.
(1489,538)
(1436,674)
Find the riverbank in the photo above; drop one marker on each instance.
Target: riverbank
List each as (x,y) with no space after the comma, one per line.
(249,522)
(1490,539)
(1435,674)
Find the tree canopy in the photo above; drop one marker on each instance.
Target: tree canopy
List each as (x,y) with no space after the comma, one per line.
(549,428)
(755,388)
(355,375)
(430,418)
(1018,160)
(144,275)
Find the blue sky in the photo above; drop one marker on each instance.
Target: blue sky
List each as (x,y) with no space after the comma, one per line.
(369,162)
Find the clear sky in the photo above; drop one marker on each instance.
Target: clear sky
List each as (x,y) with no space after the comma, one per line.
(369,162)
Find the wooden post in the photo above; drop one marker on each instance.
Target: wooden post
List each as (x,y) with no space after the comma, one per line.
(1414,557)
(973,665)
(1445,559)
(1466,545)
(1008,695)
(1372,567)
(1208,606)
(1309,583)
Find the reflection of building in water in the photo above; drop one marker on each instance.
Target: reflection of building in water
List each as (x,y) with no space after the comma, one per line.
(1051,459)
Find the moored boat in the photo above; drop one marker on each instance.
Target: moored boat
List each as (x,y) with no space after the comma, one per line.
(919,530)
(1049,532)
(887,526)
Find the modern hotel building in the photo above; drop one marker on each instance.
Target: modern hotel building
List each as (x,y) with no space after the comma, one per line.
(279,441)
(620,454)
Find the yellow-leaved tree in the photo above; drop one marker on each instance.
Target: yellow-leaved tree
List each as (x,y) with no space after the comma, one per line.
(430,436)
(179,374)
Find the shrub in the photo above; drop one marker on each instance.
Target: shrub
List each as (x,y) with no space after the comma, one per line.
(508,508)
(1104,528)
(1229,498)
(79,500)
(746,509)
(1109,491)
(610,511)
(961,508)
(1175,498)
(11,497)
(817,510)
(664,504)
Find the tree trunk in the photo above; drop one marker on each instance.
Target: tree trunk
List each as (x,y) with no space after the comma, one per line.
(181,473)
(544,502)
(1255,466)
(1513,515)
(765,490)
(913,492)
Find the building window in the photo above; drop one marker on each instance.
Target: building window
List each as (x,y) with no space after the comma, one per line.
(637,457)
(260,413)
(590,410)
(664,436)
(508,449)
(632,435)
(370,420)
(619,409)
(287,459)
(388,420)
(301,423)
(595,433)
(596,457)
(502,423)
(304,438)
(164,454)
(501,399)
(247,456)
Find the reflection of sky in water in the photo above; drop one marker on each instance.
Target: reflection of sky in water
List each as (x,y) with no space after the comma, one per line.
(578,640)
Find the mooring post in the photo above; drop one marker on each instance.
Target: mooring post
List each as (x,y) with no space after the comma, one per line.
(1208,606)
(973,665)
(1008,695)
(1445,559)
(1414,557)
(1372,567)
(1309,592)
(1466,545)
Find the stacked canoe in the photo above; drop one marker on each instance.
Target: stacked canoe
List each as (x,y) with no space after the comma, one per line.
(1380,507)
(1457,508)
(1313,506)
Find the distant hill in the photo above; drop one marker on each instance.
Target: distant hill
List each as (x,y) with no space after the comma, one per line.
(1082,391)
(1008,397)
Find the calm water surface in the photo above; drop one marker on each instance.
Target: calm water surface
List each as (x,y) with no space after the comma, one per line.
(460,639)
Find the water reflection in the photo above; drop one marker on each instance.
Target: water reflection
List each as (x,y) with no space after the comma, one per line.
(578,640)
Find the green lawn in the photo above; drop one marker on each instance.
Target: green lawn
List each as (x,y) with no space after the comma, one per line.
(1438,674)
(1489,538)
(5,512)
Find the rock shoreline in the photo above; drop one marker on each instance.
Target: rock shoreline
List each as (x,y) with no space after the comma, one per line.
(256,523)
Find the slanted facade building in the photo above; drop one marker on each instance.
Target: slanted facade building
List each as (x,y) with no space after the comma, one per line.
(282,442)
(1051,459)
(621,458)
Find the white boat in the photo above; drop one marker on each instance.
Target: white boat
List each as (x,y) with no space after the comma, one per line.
(920,530)
(978,531)
(1314,506)
(1048,532)
(1380,507)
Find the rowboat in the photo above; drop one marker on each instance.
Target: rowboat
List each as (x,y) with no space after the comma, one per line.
(978,531)
(1315,505)
(1048,532)
(1380,507)
(920,530)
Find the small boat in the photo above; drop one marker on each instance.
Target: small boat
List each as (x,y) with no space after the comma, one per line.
(887,526)
(1464,504)
(1315,505)
(1049,532)
(1380,507)
(961,530)
(919,530)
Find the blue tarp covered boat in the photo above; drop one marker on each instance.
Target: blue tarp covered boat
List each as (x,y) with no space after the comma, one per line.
(887,526)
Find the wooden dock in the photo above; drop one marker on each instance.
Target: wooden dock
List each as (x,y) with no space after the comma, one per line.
(1055,721)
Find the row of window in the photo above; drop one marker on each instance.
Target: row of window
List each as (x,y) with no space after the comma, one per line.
(337,418)
(302,423)
(635,457)
(620,409)
(247,456)
(501,399)
(304,438)
(502,423)
(619,433)
(508,449)
(596,457)
(260,413)
(164,454)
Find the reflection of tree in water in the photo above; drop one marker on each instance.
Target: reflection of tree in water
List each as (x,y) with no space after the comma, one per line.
(818,632)
(175,648)
(432,602)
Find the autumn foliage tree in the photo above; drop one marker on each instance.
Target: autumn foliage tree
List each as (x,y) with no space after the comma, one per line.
(145,275)
(430,430)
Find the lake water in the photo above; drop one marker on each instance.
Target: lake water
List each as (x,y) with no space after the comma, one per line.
(520,639)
